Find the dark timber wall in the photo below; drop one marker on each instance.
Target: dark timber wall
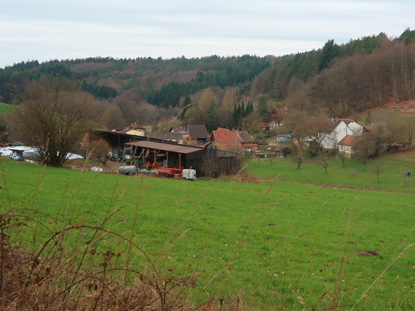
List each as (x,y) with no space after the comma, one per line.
(214,163)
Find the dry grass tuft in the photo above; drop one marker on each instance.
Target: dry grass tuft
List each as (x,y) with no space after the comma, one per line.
(87,278)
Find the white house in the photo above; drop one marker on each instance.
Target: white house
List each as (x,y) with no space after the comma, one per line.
(339,130)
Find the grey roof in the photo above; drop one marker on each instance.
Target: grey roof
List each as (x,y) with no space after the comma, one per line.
(178,129)
(198,131)
(165,147)
(167,136)
(245,137)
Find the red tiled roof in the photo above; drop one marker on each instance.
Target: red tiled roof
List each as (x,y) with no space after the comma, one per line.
(226,138)
(222,129)
(347,140)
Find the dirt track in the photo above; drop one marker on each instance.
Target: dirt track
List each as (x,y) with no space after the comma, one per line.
(341,187)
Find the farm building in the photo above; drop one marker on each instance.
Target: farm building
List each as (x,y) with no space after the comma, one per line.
(198,134)
(282,152)
(207,161)
(144,151)
(227,140)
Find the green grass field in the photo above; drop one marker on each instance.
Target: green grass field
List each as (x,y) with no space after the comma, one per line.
(278,245)
(352,175)
(6,109)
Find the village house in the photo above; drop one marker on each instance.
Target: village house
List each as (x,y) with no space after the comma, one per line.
(198,134)
(278,115)
(339,129)
(235,141)
(281,145)
(282,151)
(247,142)
(227,140)
(264,126)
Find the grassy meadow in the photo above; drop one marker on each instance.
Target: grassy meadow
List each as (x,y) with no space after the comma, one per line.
(6,109)
(277,245)
(352,175)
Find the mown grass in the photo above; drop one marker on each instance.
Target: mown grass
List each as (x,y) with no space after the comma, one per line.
(352,175)
(279,245)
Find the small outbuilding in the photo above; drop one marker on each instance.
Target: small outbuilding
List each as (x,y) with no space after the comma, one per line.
(282,152)
(345,146)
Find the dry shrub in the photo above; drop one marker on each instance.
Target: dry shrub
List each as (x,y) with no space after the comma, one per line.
(99,149)
(85,277)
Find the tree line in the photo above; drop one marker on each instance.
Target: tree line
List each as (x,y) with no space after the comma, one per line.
(335,80)
(342,79)
(235,73)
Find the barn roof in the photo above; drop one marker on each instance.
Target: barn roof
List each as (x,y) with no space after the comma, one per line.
(197,131)
(226,138)
(165,147)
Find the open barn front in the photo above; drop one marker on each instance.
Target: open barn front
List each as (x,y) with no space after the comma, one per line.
(167,159)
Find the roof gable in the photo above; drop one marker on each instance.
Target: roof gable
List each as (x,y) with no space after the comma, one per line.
(245,137)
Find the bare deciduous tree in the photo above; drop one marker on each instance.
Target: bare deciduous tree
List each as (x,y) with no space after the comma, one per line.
(408,128)
(324,163)
(369,145)
(55,118)
(298,125)
(377,171)
(206,99)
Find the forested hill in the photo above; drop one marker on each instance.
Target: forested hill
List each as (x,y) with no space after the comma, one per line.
(341,79)
(334,80)
(161,82)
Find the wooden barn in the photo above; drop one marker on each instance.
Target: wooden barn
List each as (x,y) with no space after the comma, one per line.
(146,151)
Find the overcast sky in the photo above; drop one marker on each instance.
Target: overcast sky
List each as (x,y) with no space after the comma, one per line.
(62,29)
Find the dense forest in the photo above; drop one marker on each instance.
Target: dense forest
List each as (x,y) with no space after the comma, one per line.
(341,79)
(335,80)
